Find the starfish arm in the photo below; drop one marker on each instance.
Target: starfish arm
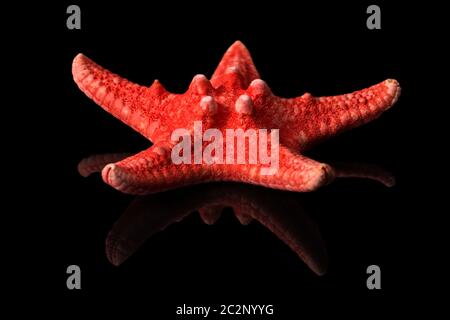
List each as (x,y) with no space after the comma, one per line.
(152,171)
(286,218)
(144,217)
(321,118)
(96,162)
(295,172)
(365,171)
(135,105)
(235,68)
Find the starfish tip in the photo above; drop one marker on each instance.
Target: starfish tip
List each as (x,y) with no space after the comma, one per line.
(79,57)
(393,89)
(389,181)
(114,254)
(82,170)
(112,175)
(79,60)
(318,269)
(238,49)
(320,177)
(238,44)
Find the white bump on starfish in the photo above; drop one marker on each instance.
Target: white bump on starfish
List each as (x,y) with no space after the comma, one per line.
(307,96)
(244,104)
(258,87)
(200,85)
(208,104)
(157,88)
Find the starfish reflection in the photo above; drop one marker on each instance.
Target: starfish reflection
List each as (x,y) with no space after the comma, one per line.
(279,211)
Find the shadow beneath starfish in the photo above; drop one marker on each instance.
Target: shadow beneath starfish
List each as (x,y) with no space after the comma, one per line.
(281,212)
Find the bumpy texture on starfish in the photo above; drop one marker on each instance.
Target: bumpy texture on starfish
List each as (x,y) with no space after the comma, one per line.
(235,98)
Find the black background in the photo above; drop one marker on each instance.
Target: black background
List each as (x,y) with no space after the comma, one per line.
(321,48)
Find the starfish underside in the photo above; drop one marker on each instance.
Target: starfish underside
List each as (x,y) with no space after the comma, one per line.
(235,97)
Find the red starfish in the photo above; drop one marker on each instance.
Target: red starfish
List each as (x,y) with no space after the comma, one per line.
(234,98)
